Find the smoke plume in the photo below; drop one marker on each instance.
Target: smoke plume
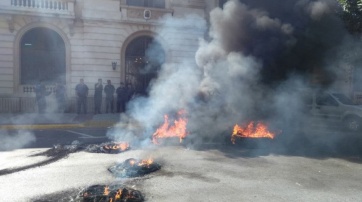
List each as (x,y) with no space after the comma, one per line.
(19,139)
(249,67)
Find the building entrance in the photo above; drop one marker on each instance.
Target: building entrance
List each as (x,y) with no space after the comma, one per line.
(144,57)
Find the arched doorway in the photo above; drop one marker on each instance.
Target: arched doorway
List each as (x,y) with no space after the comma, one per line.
(42,57)
(144,57)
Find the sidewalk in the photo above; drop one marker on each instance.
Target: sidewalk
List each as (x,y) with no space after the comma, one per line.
(56,120)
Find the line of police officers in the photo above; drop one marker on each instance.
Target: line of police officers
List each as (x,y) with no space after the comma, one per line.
(123,94)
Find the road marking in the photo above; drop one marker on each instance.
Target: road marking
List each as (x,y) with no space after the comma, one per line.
(85,136)
(82,134)
(93,137)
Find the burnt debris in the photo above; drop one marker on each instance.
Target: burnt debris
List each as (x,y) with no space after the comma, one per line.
(134,168)
(107,193)
(109,147)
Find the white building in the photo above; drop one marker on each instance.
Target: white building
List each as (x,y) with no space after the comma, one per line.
(66,40)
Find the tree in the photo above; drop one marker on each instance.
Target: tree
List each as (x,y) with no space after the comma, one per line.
(352,15)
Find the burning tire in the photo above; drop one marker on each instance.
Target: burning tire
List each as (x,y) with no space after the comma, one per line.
(110,194)
(109,148)
(134,168)
(115,148)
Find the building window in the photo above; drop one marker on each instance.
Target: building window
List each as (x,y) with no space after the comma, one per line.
(42,57)
(147,3)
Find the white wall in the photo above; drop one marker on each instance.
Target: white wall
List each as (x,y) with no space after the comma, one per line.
(6,58)
(96,36)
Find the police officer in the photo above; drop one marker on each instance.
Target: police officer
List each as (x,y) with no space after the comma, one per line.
(82,92)
(122,96)
(109,90)
(98,90)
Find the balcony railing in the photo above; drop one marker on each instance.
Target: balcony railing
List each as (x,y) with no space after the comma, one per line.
(41,4)
(31,89)
(38,7)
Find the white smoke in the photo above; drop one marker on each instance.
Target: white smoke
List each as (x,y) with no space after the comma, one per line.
(216,87)
(16,140)
(176,85)
(222,85)
(318,9)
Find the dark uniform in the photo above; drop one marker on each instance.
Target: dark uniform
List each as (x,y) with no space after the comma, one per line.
(40,93)
(109,90)
(122,96)
(98,90)
(59,91)
(82,92)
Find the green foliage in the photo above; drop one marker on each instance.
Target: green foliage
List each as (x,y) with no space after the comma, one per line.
(352,15)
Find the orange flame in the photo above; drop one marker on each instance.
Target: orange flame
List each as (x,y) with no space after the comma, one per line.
(106,191)
(113,196)
(146,162)
(252,130)
(118,194)
(132,162)
(119,146)
(176,130)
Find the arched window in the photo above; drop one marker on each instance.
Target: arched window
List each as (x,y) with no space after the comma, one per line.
(42,57)
(144,57)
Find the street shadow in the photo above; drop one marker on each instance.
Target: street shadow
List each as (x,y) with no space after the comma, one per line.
(53,155)
(61,196)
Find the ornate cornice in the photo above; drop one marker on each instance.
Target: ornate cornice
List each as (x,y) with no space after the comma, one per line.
(143,13)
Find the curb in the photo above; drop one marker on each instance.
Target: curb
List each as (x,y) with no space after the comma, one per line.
(40,126)
(58,126)
(99,123)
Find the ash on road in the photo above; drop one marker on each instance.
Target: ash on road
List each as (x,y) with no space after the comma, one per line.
(187,175)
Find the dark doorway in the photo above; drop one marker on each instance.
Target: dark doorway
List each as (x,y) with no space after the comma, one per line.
(42,57)
(144,57)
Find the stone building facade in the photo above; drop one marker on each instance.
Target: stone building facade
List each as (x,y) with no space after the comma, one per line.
(66,40)
(93,39)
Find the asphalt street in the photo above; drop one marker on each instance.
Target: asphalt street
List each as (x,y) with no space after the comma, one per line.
(251,170)
(49,138)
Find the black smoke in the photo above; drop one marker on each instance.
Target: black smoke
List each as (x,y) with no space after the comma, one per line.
(255,58)
(287,36)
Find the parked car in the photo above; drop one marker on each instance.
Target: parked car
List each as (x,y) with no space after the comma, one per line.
(332,106)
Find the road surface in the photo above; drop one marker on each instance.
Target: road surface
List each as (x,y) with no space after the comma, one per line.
(251,170)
